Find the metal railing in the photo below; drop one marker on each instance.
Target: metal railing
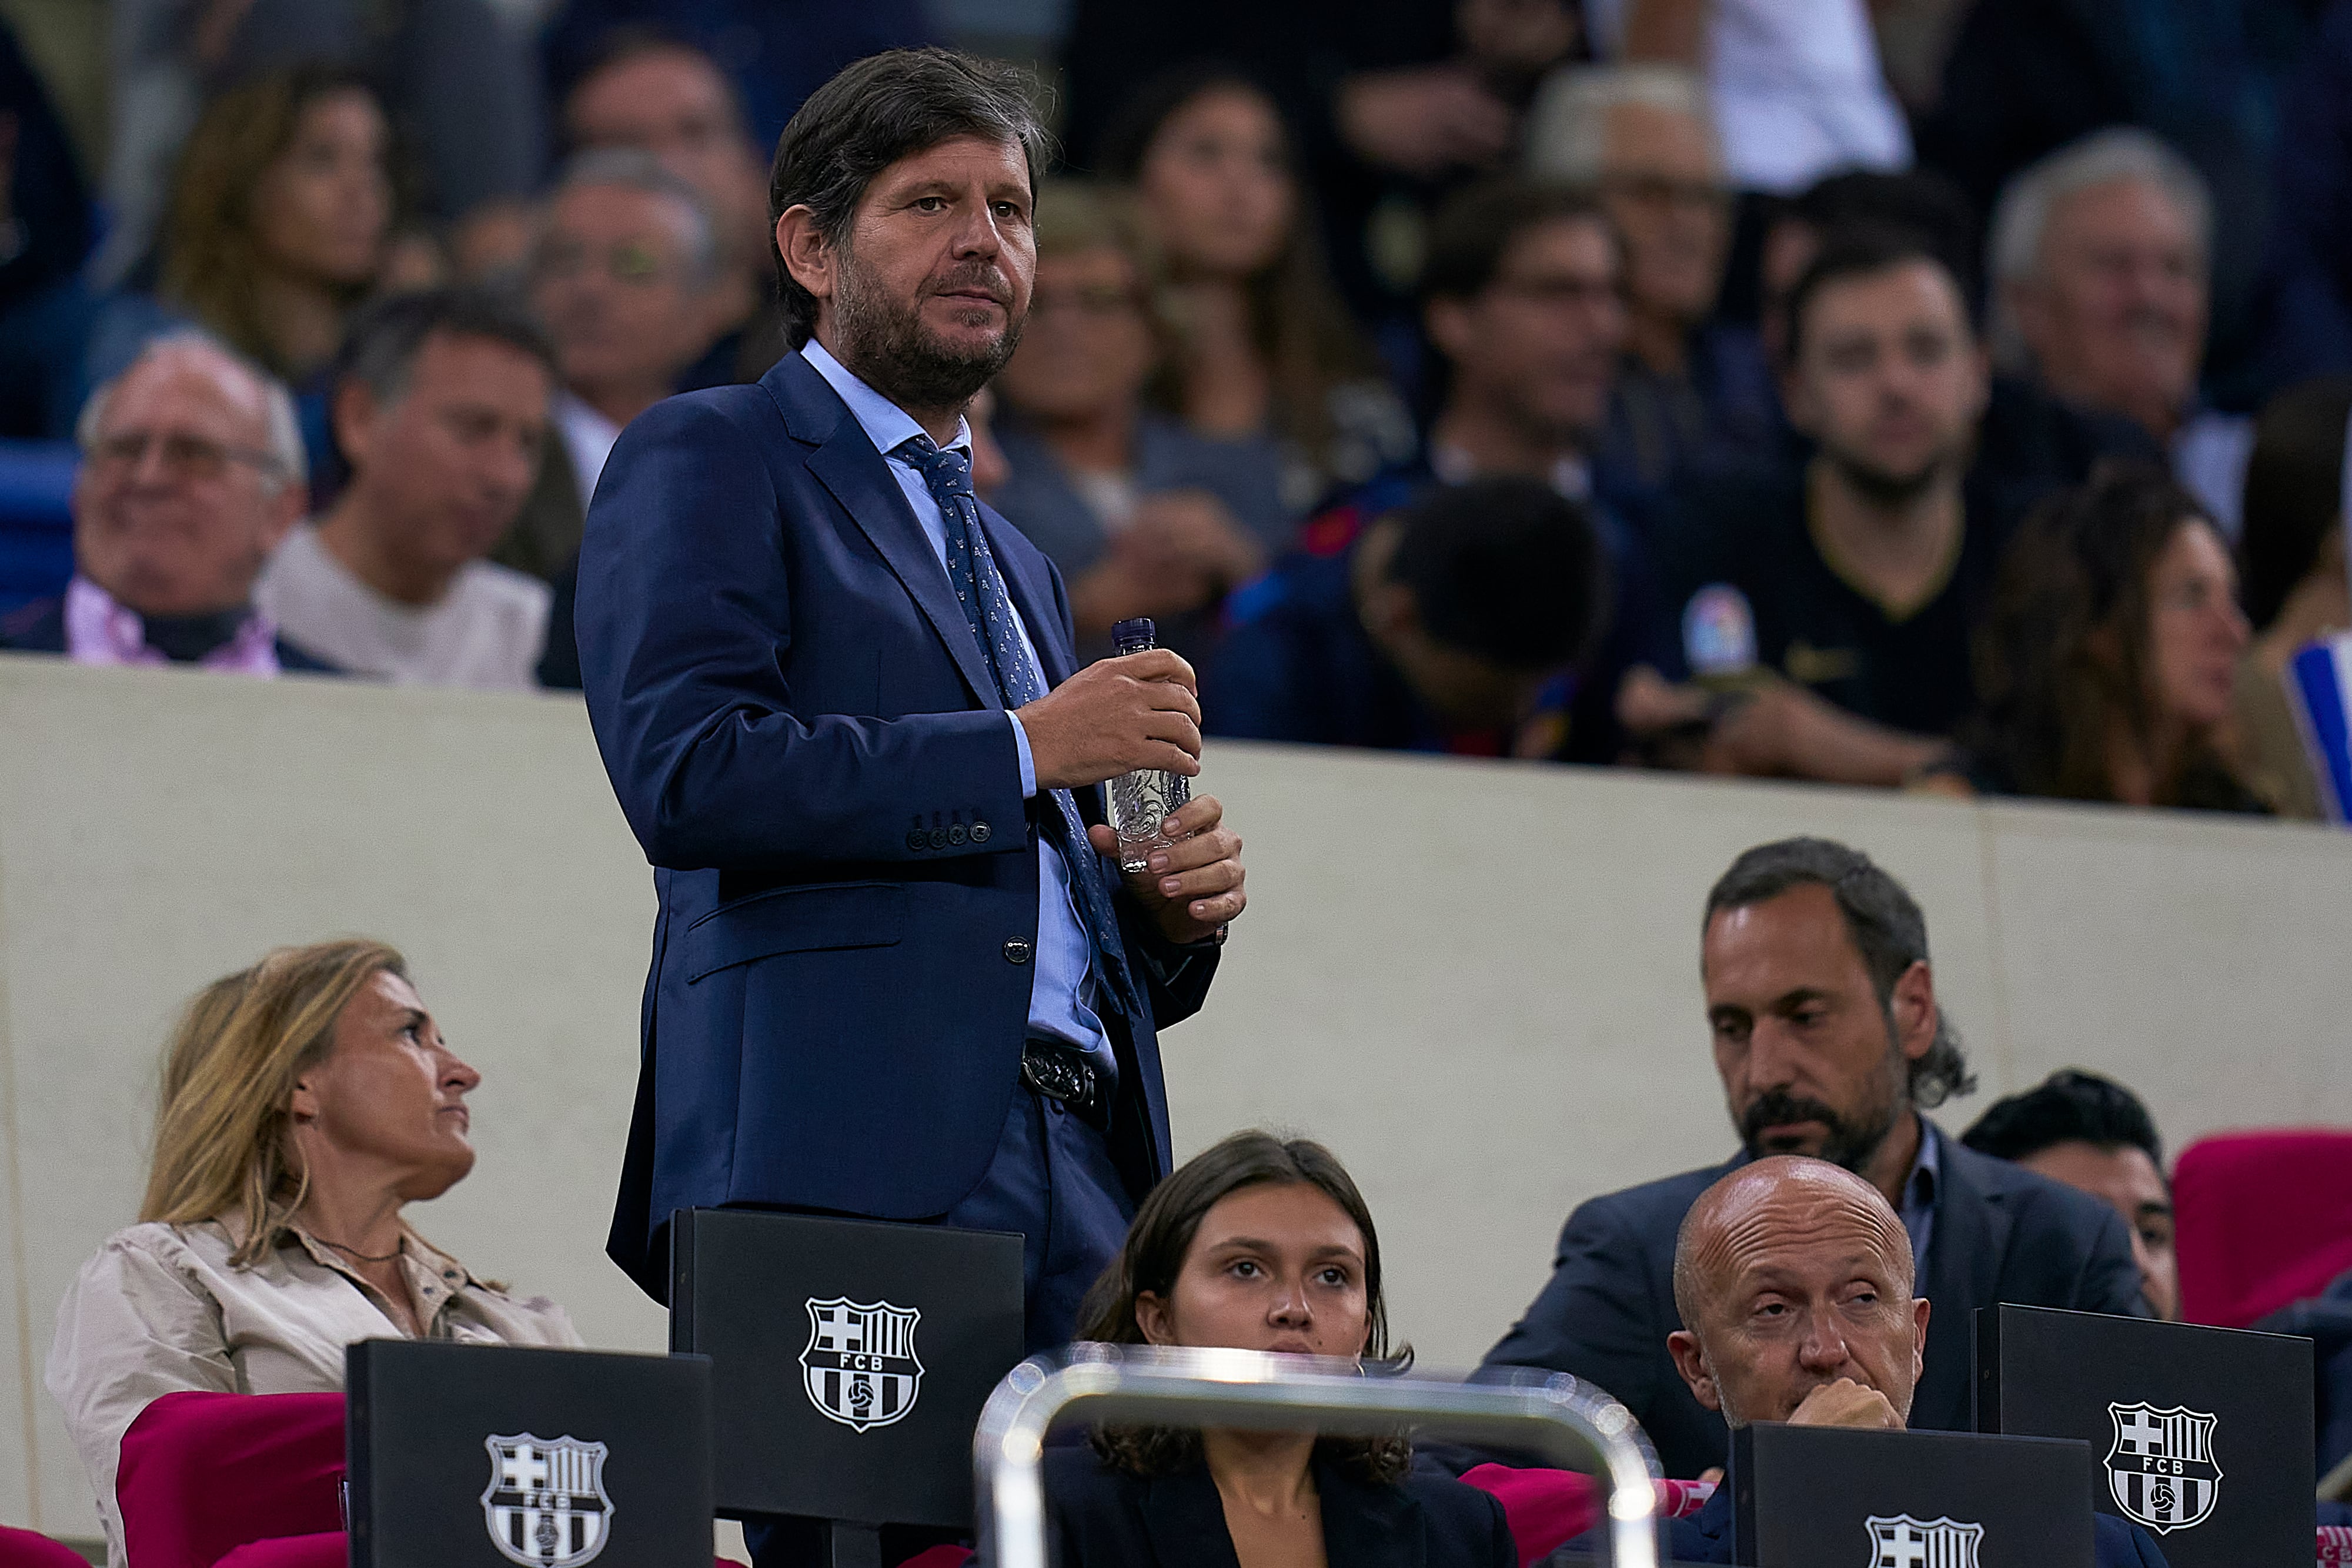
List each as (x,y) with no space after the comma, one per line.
(1572,1422)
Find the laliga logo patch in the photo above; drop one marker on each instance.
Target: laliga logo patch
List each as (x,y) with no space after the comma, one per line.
(859,1368)
(1899,1541)
(1718,631)
(2161,1469)
(545,1505)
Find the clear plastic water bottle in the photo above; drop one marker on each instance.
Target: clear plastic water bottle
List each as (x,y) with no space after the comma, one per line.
(1142,801)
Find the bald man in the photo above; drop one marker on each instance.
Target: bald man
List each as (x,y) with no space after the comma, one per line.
(1793,1279)
(191,471)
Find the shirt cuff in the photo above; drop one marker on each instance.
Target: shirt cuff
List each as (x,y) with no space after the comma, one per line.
(1028,763)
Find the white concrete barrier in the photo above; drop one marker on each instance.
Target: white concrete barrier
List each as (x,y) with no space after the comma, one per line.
(1477,981)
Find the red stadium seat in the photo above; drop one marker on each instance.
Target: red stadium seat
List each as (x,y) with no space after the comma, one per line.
(204,1474)
(1547,1508)
(30,1549)
(2264,1219)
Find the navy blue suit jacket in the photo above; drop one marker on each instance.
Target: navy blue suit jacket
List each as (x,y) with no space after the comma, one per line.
(802,734)
(1706,1537)
(2002,1234)
(1105,1518)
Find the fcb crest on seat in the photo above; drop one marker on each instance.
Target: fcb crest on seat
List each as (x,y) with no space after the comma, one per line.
(860,1367)
(2161,1469)
(1899,1541)
(546,1504)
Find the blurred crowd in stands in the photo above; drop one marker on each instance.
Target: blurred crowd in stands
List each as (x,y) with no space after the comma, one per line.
(1948,394)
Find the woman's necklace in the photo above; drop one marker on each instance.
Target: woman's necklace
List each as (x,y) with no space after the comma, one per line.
(357,1256)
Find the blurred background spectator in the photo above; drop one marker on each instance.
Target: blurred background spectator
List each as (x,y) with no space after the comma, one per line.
(1439,630)
(654,93)
(1824,607)
(1144,515)
(1263,345)
(2292,573)
(2101,269)
(627,278)
(281,216)
(1691,389)
(46,228)
(441,408)
(457,74)
(2109,658)
(776,51)
(192,473)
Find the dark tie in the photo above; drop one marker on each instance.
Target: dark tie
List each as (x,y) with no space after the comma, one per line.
(980,588)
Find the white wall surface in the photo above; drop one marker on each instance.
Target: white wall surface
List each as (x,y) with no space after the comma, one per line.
(1476,980)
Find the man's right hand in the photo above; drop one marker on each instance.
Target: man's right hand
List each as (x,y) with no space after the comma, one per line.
(1846,1403)
(1139,710)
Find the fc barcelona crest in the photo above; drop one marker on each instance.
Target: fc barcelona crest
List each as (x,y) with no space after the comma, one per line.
(546,1505)
(860,1367)
(2161,1468)
(1899,1541)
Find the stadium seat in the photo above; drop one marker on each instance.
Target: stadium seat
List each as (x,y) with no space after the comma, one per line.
(2264,1218)
(36,519)
(30,1549)
(205,1474)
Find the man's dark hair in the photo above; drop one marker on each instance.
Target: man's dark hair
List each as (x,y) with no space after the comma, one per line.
(874,112)
(1506,569)
(379,347)
(636,40)
(1862,253)
(2070,1106)
(1472,233)
(1917,202)
(1153,1256)
(1880,916)
(2295,491)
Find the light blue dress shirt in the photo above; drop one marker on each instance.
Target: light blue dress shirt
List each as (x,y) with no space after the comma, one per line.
(1062,981)
(1918,1209)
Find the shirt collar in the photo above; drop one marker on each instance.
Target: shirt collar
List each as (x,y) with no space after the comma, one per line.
(885,422)
(99,629)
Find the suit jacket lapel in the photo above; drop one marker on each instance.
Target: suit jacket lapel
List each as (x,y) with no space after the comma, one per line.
(1964,1255)
(846,462)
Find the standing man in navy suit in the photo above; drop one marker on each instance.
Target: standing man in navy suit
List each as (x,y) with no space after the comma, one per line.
(893,975)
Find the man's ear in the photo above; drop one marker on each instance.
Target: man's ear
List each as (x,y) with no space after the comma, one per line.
(353,414)
(808,255)
(1391,611)
(1797,398)
(1690,1360)
(1916,1017)
(1448,321)
(1920,1307)
(1151,1317)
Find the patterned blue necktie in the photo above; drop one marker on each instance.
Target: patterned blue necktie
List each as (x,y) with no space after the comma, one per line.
(980,588)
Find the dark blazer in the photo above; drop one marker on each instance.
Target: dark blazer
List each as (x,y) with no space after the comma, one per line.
(2002,1234)
(1105,1518)
(1706,1537)
(40,628)
(802,733)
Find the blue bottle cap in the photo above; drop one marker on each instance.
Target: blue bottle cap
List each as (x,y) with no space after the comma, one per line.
(1134,636)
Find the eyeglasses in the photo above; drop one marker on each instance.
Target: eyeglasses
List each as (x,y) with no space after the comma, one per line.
(184,456)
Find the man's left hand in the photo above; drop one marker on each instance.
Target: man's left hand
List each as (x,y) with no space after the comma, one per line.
(1195,885)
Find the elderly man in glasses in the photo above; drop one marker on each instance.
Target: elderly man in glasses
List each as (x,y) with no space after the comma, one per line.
(192,473)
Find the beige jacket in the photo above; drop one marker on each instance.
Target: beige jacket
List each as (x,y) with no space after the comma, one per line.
(161,1308)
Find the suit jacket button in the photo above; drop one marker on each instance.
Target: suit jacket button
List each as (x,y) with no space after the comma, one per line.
(1016,951)
(939,838)
(956,834)
(918,839)
(980,832)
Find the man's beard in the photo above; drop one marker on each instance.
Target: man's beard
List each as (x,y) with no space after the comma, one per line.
(884,342)
(1884,487)
(1849,1140)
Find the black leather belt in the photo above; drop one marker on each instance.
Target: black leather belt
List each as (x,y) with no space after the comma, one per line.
(1058,1071)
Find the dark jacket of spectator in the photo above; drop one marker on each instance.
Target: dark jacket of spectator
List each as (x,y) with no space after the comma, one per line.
(1723,413)
(1108,1518)
(2002,1234)
(2308,285)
